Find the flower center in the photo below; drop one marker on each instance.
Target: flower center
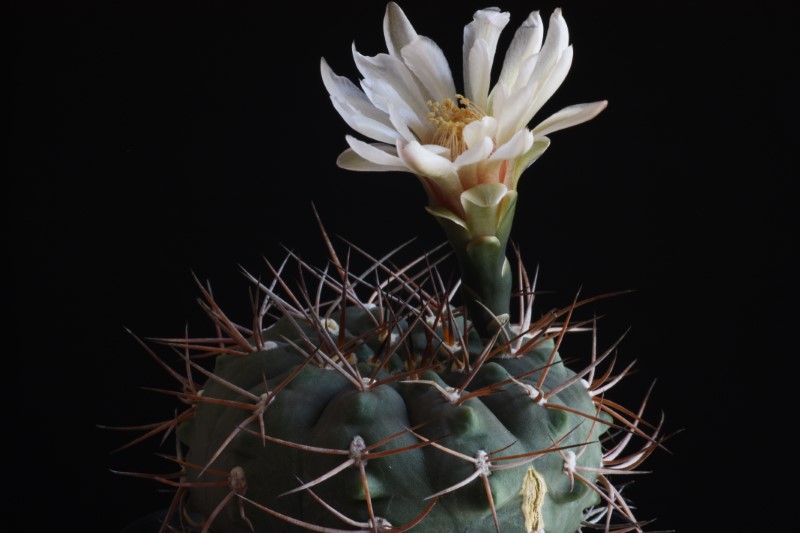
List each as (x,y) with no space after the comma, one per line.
(450,118)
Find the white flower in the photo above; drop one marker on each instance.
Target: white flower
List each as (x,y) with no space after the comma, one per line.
(468,149)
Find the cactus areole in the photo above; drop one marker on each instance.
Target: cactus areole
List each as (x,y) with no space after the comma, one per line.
(368,399)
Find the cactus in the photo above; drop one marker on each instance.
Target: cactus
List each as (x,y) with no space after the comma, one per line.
(383,399)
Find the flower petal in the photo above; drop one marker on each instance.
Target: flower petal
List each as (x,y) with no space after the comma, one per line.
(477,74)
(480,45)
(438,150)
(426,163)
(517,95)
(379,154)
(383,71)
(444,187)
(478,152)
(354,106)
(397,30)
(527,42)
(539,146)
(426,60)
(364,125)
(345,90)
(474,132)
(570,116)
(550,84)
(551,66)
(401,123)
(446,214)
(520,143)
(486,195)
(471,167)
(497,99)
(554,45)
(513,114)
(482,206)
(386,98)
(350,160)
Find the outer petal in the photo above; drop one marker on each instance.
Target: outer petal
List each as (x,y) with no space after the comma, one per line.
(555,43)
(486,195)
(519,144)
(570,116)
(364,125)
(443,212)
(550,67)
(391,71)
(478,74)
(347,92)
(386,98)
(498,99)
(514,113)
(397,29)
(400,123)
(525,74)
(350,160)
(426,163)
(355,108)
(445,187)
(483,208)
(550,84)
(426,60)
(539,146)
(480,45)
(527,42)
(378,154)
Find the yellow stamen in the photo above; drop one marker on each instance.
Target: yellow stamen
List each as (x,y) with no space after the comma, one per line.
(450,119)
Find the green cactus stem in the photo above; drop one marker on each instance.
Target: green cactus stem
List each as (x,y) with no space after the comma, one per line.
(479,240)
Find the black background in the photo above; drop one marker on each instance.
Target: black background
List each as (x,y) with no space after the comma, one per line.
(150,142)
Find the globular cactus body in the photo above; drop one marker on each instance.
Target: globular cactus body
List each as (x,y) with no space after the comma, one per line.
(319,408)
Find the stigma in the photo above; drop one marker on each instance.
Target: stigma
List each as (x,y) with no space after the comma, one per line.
(450,118)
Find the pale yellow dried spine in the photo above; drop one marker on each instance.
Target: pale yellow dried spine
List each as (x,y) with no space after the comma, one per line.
(533,490)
